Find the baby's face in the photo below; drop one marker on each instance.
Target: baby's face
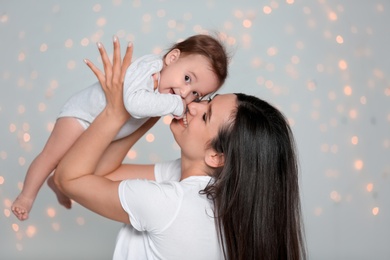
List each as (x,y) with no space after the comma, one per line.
(188,76)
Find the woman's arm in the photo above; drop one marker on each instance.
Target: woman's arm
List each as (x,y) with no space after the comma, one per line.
(75,172)
(110,165)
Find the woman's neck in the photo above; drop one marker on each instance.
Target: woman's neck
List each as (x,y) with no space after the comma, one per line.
(192,168)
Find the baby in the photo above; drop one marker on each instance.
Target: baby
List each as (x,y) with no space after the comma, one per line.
(190,70)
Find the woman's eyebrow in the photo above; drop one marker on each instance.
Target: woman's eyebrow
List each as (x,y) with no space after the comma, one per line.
(209,112)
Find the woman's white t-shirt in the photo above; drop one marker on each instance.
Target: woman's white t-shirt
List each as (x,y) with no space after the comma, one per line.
(169,218)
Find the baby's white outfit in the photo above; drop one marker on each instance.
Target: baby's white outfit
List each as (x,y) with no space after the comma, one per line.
(140,98)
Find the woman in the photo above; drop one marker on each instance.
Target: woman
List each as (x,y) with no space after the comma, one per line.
(237,172)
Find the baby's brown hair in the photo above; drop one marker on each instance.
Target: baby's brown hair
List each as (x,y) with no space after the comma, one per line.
(209,47)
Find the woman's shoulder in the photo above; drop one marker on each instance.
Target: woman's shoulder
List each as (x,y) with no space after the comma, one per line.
(168,170)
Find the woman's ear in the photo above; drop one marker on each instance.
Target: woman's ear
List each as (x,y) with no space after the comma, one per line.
(172,56)
(214,159)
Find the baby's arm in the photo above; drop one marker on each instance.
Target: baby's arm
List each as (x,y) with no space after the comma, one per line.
(140,98)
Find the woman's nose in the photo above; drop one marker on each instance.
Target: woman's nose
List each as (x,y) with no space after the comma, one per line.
(196,107)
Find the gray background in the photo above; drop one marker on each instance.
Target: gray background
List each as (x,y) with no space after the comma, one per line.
(287,52)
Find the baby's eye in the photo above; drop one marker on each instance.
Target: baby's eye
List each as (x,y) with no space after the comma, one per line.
(204,117)
(187,79)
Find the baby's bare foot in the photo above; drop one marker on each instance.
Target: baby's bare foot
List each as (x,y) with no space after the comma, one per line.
(61,197)
(21,207)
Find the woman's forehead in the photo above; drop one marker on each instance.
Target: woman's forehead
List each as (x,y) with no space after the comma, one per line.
(223,105)
(225,98)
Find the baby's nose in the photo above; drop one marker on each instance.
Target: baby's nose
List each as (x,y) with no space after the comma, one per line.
(184,91)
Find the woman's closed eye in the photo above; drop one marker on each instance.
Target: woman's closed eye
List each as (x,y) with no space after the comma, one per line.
(196,94)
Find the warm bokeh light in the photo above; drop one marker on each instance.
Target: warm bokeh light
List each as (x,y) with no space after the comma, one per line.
(167,119)
(7,213)
(71,64)
(149,138)
(22,161)
(339,39)
(318,211)
(22,56)
(354,140)
(41,107)
(369,187)
(3,18)
(20,185)
(31,231)
(69,43)
(332,95)
(21,109)
(43,47)
(375,211)
(272,51)
(101,21)
(56,226)
(84,42)
(335,196)
(358,164)
(15,227)
(246,23)
(353,114)
(147,18)
(332,16)
(311,85)
(97,8)
(295,59)
(51,212)
(80,221)
(324,148)
(50,126)
(1,180)
(3,155)
(343,65)
(26,137)
(347,90)
(267,9)
(132,154)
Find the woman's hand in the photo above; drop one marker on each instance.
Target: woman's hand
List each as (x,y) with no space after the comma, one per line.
(113,77)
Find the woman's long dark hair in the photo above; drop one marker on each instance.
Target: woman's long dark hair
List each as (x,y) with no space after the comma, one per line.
(256,193)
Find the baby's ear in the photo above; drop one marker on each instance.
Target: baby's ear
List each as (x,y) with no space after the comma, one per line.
(172,56)
(214,159)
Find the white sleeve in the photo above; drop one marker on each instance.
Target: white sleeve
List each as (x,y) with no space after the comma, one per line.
(139,96)
(151,206)
(168,171)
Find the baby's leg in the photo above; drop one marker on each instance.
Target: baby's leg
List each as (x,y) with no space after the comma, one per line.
(64,134)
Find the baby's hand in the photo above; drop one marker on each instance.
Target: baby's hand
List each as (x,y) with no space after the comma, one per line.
(184,111)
